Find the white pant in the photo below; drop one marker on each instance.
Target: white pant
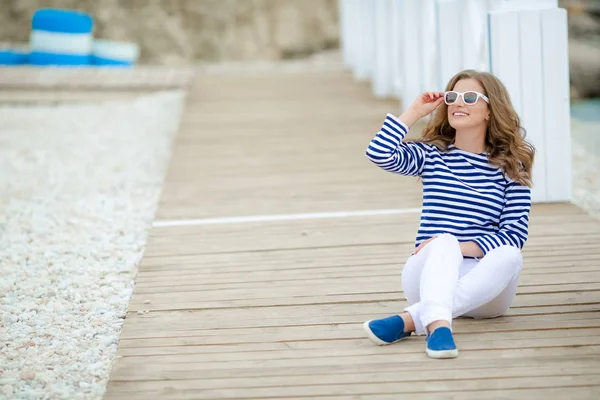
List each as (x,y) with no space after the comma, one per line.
(440,284)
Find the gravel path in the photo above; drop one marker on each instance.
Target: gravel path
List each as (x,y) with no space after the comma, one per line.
(79,185)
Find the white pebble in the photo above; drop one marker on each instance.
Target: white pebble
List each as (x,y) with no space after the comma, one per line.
(107,341)
(146,301)
(8,390)
(27,375)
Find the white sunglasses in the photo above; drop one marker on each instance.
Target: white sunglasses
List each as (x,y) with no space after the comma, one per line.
(469,98)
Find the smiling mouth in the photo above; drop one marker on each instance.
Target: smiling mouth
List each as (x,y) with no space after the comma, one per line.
(459,114)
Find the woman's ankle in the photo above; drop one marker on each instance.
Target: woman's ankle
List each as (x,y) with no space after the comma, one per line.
(409,323)
(437,324)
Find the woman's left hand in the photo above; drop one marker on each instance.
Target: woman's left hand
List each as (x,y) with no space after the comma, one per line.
(423,244)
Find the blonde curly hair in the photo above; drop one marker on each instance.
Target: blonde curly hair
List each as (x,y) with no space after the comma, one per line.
(505,138)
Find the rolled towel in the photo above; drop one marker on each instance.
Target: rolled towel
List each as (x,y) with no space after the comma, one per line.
(61,37)
(13,57)
(114,53)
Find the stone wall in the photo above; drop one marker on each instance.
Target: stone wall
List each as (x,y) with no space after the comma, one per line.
(184,31)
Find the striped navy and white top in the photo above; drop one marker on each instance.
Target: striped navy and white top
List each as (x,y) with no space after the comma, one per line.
(463,194)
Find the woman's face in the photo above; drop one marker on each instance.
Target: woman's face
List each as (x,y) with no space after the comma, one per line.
(461,115)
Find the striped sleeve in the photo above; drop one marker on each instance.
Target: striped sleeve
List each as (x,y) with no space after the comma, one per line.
(389,152)
(514,220)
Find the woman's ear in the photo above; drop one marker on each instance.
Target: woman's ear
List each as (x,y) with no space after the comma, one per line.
(487,117)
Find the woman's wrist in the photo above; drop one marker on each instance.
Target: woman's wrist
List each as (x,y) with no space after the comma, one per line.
(470,249)
(409,117)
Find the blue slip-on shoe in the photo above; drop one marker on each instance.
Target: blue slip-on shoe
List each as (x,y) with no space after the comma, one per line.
(440,344)
(386,331)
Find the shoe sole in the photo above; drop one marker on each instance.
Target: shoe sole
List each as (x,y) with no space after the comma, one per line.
(441,354)
(374,338)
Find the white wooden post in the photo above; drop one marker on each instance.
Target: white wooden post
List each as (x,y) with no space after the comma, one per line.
(383,73)
(427,33)
(397,70)
(411,52)
(529,53)
(516,5)
(345,10)
(532,88)
(475,39)
(555,64)
(366,56)
(353,32)
(449,23)
(505,55)
(462,37)
(360,62)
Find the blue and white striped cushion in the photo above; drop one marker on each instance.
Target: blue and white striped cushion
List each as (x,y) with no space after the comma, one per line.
(13,57)
(61,37)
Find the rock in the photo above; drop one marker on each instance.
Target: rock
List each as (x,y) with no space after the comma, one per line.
(140,312)
(584,50)
(584,66)
(27,375)
(7,390)
(146,301)
(107,341)
(10,319)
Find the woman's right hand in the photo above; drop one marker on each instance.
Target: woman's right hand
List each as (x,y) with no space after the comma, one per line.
(424,105)
(427,102)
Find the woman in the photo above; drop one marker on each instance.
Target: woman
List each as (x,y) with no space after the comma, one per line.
(476,171)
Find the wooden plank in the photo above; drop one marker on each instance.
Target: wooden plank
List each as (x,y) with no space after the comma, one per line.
(581,393)
(347,344)
(162,337)
(412,358)
(187,390)
(568,368)
(266,291)
(207,320)
(311,315)
(155,327)
(204,282)
(348,299)
(305,355)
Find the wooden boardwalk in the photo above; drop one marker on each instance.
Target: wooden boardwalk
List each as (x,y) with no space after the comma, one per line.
(272,309)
